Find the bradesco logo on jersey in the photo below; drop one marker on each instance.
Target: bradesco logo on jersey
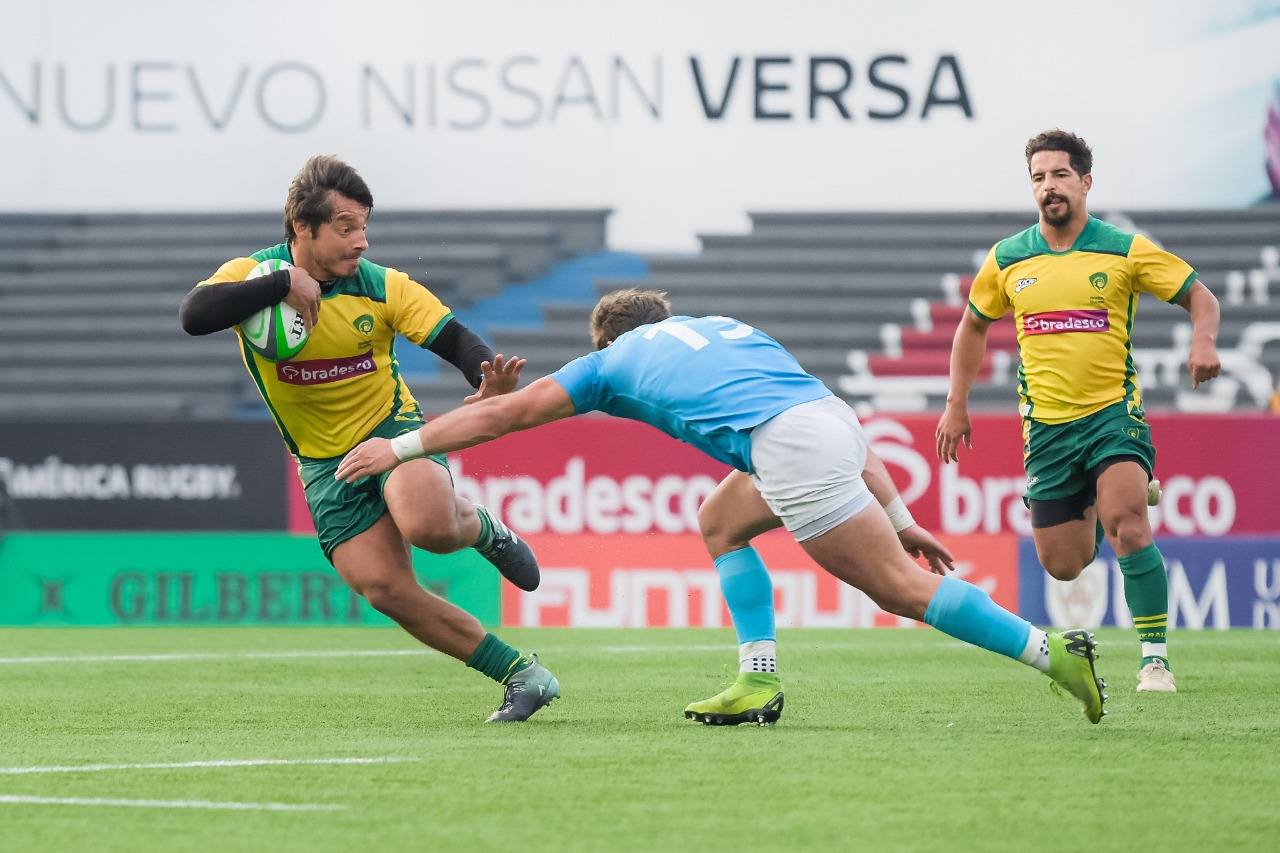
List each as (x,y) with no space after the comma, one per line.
(322,370)
(1057,322)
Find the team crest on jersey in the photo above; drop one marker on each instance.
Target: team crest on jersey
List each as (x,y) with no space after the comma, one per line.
(1098,280)
(363,323)
(1023,284)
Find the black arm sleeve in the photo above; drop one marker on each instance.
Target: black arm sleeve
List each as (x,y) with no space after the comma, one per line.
(215,307)
(462,348)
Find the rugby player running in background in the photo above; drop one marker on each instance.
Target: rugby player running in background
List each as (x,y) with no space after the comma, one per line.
(1072,282)
(800,456)
(354,309)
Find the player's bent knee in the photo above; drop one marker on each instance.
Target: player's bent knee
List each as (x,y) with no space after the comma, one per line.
(902,607)
(908,597)
(434,537)
(1064,570)
(717,536)
(1131,534)
(384,597)
(438,542)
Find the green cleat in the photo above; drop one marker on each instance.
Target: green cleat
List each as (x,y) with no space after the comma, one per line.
(1071,657)
(756,697)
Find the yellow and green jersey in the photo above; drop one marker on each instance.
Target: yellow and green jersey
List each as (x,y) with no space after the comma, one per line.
(346,380)
(1074,311)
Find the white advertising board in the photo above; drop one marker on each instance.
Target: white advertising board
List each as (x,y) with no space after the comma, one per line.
(679,116)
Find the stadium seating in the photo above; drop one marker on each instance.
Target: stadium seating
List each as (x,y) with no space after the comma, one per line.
(869,302)
(89,302)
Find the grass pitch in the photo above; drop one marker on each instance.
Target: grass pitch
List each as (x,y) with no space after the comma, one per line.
(353,739)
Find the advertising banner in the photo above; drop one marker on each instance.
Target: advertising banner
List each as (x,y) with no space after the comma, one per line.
(206,579)
(591,474)
(601,475)
(195,475)
(1213,583)
(667,580)
(1214,469)
(681,117)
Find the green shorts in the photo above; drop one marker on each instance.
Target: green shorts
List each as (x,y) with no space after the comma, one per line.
(342,510)
(1062,460)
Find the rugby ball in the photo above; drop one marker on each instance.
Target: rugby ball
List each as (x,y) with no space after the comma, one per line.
(277,332)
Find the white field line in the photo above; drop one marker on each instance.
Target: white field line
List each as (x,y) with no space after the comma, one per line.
(199,656)
(16,799)
(181,657)
(213,656)
(185,765)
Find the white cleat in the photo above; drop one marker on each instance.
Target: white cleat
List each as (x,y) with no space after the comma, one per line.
(1155,678)
(1153,493)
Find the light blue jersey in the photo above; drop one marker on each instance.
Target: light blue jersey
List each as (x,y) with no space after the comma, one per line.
(704,380)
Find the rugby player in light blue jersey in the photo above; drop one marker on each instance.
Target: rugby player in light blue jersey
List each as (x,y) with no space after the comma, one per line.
(800,459)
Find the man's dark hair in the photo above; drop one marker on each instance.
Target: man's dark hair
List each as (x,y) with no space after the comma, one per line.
(309,195)
(1078,151)
(623,310)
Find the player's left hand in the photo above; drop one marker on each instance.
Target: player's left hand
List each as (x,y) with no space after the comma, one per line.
(1203,363)
(372,456)
(500,377)
(919,542)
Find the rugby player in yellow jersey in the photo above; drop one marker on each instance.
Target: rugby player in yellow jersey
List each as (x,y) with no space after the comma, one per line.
(345,386)
(1072,282)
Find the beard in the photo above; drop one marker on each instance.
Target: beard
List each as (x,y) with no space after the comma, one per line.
(1057,221)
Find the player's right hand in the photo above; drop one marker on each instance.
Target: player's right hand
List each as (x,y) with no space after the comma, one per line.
(304,296)
(919,542)
(371,456)
(953,428)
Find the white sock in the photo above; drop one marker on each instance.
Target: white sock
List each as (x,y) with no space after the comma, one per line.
(758,656)
(1037,651)
(1155,650)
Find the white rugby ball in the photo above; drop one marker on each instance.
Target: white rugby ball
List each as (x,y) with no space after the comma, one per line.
(277,332)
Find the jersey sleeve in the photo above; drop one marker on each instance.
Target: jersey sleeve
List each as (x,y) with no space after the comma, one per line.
(414,311)
(1158,272)
(233,270)
(583,380)
(987,298)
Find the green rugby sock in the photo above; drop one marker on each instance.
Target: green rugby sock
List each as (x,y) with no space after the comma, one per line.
(485,539)
(1146,590)
(496,659)
(1098,535)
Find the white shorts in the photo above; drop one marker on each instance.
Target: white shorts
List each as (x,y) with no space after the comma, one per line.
(808,465)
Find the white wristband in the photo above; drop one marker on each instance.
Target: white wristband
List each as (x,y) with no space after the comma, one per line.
(899,515)
(407,446)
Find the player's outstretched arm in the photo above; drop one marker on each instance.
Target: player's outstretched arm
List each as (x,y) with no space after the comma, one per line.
(542,402)
(967,351)
(1202,305)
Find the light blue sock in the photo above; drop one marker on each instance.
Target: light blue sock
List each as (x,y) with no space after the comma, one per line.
(967,613)
(748,590)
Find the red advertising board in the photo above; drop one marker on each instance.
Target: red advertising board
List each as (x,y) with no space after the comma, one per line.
(601,475)
(629,581)
(1215,471)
